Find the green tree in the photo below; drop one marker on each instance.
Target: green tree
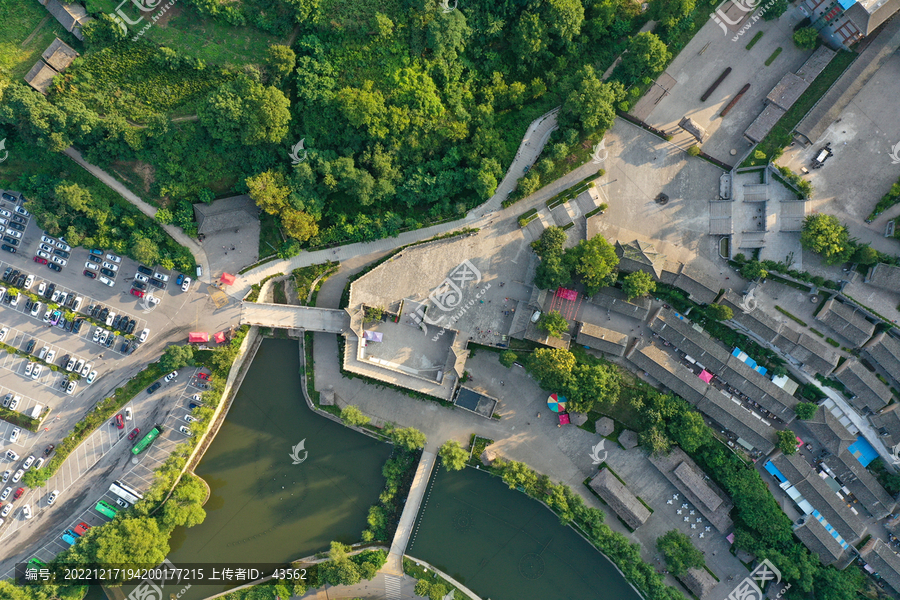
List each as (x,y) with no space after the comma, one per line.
(564,17)
(831,584)
(775,9)
(437,591)
(281,61)
(553,323)
(507,358)
(595,262)
(669,13)
(383,25)
(647,55)
(423,586)
(638,284)
(689,430)
(753,270)
(590,385)
(826,235)
(408,438)
(353,416)
(655,441)
(176,356)
(453,455)
(269,190)
(552,272)
(144,250)
(719,312)
(299,225)
(550,242)
(694,150)
(552,367)
(679,552)
(806,410)
(591,105)
(339,569)
(787,441)
(243,111)
(806,38)
(517,474)
(125,540)
(865,255)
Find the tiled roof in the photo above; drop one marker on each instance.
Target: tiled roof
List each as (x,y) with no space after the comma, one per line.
(868,391)
(620,499)
(847,321)
(600,338)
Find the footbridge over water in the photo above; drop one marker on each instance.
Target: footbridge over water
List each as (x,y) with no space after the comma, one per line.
(284,316)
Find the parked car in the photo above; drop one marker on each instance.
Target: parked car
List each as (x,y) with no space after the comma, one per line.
(107,272)
(86,369)
(14,436)
(36,309)
(171,376)
(29,281)
(134,433)
(52,498)
(95,259)
(122,503)
(60,261)
(5,494)
(143,336)
(91,376)
(186,431)
(50,356)
(114,258)
(61,253)
(6,510)
(141,277)
(145,270)
(91,266)
(186,285)
(28,369)
(106,281)
(70,388)
(39,260)
(154,387)
(87,273)
(28,462)
(26,511)
(38,369)
(18,475)
(54,267)
(63,246)
(120,423)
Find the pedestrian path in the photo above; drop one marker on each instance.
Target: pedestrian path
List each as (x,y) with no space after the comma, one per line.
(394,564)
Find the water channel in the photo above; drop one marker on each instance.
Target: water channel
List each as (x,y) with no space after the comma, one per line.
(503,545)
(264,508)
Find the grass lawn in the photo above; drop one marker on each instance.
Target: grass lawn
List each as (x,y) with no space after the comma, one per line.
(269,236)
(186,31)
(780,136)
(18,20)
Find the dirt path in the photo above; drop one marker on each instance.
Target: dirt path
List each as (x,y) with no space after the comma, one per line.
(36,30)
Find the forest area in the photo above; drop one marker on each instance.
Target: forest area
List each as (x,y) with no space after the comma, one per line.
(409,113)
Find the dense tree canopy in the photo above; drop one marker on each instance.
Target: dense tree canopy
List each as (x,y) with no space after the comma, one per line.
(246,112)
(679,552)
(637,284)
(553,323)
(453,455)
(826,235)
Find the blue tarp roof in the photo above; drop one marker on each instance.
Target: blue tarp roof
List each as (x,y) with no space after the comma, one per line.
(863,451)
(845,4)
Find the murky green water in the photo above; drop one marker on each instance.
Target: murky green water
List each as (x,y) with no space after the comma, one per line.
(505,546)
(263,508)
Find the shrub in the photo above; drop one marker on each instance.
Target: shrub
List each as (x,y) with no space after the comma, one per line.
(694,150)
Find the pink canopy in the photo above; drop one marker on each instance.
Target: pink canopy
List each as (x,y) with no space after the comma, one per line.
(227,278)
(196,337)
(563,418)
(219,337)
(373,336)
(567,294)
(705,376)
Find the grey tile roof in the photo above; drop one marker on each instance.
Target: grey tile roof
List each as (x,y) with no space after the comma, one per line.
(698,284)
(679,331)
(613,299)
(815,356)
(884,351)
(807,481)
(224,214)
(600,338)
(699,582)
(620,499)
(884,276)
(787,91)
(868,391)
(40,77)
(667,465)
(738,420)
(887,424)
(756,321)
(763,124)
(868,16)
(847,321)
(816,63)
(883,561)
(640,256)
(59,55)
(707,496)
(814,536)
(666,369)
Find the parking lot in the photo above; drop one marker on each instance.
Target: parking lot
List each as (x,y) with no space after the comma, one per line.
(167,407)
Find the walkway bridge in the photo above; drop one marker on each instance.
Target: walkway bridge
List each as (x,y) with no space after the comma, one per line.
(284,316)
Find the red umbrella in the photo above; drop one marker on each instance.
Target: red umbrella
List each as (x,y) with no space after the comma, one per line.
(227,278)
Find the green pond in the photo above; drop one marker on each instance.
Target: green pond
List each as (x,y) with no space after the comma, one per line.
(503,545)
(264,508)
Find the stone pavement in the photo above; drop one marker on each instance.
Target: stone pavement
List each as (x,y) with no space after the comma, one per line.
(180,236)
(284,316)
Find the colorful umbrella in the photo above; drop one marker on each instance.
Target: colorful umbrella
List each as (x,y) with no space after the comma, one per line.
(556,403)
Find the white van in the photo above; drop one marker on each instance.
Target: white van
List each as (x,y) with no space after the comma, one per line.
(536,316)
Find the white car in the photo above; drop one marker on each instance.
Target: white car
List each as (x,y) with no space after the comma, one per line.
(29,281)
(3,333)
(36,309)
(86,369)
(96,337)
(12,406)
(26,511)
(91,266)
(104,335)
(14,233)
(107,281)
(4,221)
(111,266)
(15,301)
(110,318)
(141,277)
(151,299)
(18,475)
(91,377)
(5,213)
(28,462)
(43,353)
(46,248)
(14,436)
(50,356)
(53,496)
(7,473)
(13,457)
(6,510)
(56,296)
(143,336)
(38,369)
(70,365)
(63,246)
(43,254)
(122,503)
(47,239)
(60,261)
(79,365)
(5,493)
(171,376)
(47,314)
(21,210)
(128,413)
(114,258)
(77,305)
(186,284)
(42,287)
(161,276)
(190,419)
(185,431)
(28,369)
(70,389)
(39,463)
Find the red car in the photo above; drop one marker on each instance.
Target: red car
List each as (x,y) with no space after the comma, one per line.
(120,423)
(90,274)
(204,376)
(81,528)
(39,260)
(134,433)
(137,293)
(18,493)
